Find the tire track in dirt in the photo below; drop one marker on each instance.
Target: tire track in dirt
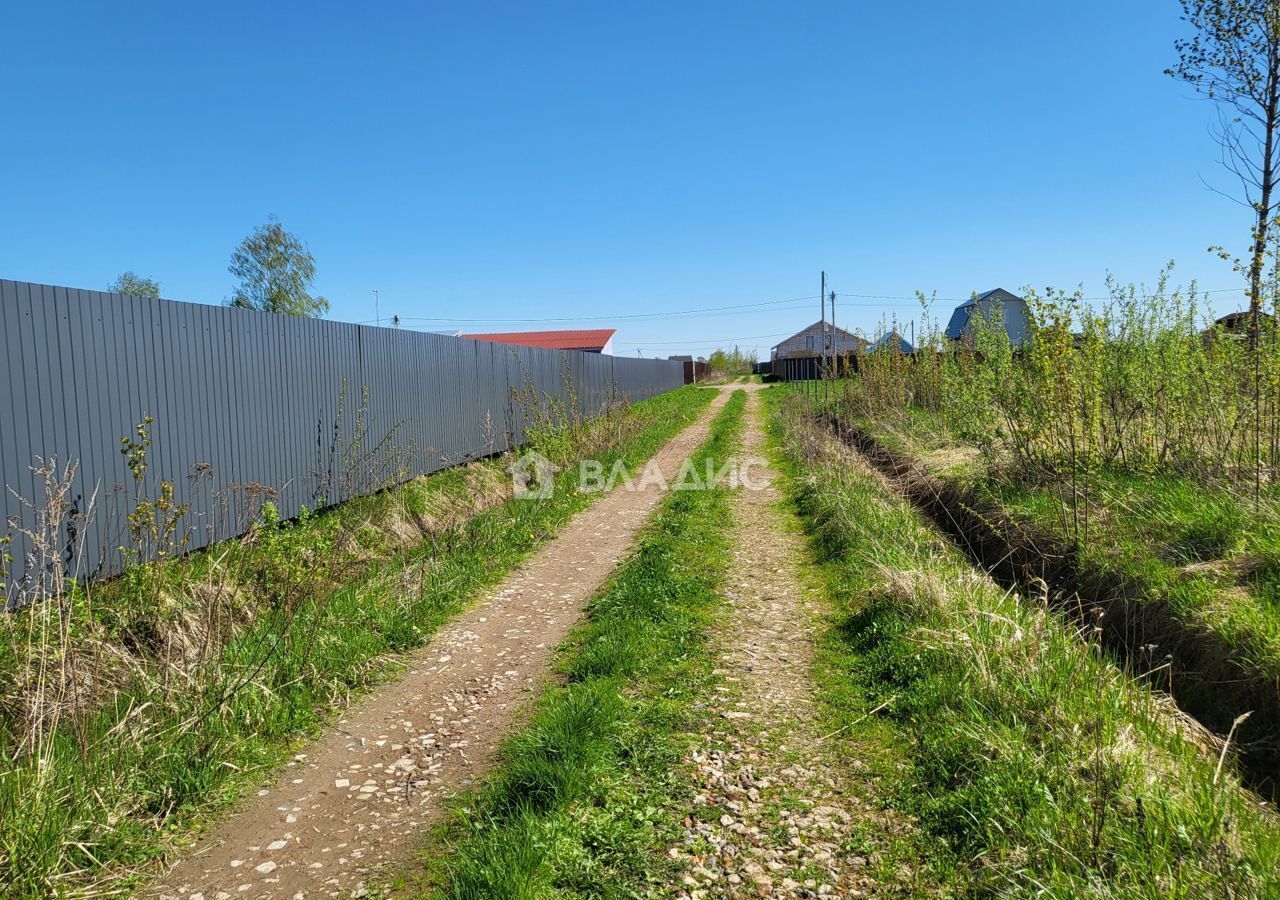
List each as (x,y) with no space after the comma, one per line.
(363,795)
(775,814)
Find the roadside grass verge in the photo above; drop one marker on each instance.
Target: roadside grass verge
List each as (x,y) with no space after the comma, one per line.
(1198,553)
(856,735)
(1040,767)
(579,805)
(133,710)
(1202,551)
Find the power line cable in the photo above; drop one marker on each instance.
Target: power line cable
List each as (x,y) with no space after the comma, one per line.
(967,299)
(601,318)
(442,323)
(697,343)
(851,299)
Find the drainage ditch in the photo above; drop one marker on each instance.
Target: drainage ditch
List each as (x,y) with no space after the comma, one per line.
(1141,632)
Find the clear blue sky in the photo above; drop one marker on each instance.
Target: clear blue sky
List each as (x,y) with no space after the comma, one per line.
(538,160)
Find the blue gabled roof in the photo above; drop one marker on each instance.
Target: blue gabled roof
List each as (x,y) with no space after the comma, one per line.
(977,297)
(959,319)
(891,339)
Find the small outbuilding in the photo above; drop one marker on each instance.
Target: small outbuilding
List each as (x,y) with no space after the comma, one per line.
(695,370)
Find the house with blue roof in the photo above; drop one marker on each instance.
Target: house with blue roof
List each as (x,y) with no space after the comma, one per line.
(891,340)
(989,306)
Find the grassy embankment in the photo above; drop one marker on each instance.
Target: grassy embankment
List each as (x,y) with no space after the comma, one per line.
(1204,551)
(580,803)
(132,709)
(1042,767)
(1135,445)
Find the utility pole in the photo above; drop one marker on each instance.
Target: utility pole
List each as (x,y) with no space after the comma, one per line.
(377,319)
(835,337)
(822,297)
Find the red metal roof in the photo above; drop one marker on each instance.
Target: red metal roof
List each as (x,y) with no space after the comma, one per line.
(578,339)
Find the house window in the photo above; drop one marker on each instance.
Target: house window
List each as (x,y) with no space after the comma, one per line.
(808,342)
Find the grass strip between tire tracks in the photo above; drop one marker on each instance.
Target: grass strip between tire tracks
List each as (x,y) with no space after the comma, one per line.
(578,805)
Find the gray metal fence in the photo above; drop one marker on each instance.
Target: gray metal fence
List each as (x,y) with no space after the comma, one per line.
(249,405)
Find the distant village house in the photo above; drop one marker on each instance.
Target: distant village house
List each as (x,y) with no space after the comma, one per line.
(893,341)
(801,355)
(990,306)
(807,342)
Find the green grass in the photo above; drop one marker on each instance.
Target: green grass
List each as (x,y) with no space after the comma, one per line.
(903,860)
(1155,530)
(1039,767)
(108,789)
(579,804)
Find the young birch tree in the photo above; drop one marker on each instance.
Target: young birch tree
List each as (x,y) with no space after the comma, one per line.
(135,285)
(275,269)
(1233,58)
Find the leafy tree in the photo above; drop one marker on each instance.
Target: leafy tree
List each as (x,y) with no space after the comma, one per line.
(1234,59)
(731,362)
(275,270)
(135,285)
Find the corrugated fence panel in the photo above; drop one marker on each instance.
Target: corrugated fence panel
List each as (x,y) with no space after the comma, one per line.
(250,406)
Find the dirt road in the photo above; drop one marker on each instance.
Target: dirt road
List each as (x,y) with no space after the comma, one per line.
(363,794)
(790,822)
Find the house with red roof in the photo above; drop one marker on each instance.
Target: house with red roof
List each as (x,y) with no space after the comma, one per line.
(587,340)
